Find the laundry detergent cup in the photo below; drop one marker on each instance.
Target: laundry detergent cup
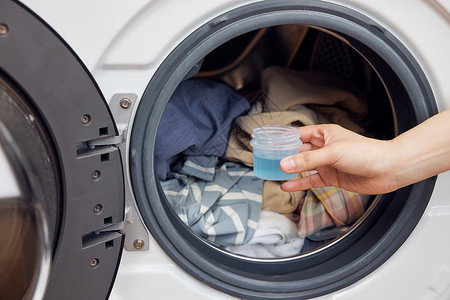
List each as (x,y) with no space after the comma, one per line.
(272,143)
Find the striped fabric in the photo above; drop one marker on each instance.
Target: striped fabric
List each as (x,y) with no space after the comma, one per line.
(328,207)
(219,202)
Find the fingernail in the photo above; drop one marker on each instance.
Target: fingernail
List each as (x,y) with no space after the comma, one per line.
(287,164)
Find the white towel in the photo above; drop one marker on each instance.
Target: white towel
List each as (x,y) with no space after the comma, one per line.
(275,236)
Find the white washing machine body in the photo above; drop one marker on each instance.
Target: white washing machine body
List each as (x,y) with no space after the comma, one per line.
(124,44)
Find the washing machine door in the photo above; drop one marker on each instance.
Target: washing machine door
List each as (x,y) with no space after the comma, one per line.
(54,112)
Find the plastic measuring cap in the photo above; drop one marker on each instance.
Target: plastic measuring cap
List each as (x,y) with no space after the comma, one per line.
(272,143)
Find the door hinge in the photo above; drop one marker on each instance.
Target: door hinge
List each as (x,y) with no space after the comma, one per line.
(136,234)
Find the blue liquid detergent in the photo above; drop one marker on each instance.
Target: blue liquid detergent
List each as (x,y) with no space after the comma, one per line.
(269,169)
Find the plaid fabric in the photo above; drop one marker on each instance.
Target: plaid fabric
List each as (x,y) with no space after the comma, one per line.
(329,206)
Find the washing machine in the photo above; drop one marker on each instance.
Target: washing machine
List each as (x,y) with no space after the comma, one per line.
(83,87)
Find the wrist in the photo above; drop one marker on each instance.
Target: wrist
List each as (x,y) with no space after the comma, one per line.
(400,159)
(392,156)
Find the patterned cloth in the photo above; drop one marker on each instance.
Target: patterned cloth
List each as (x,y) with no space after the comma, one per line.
(219,202)
(329,206)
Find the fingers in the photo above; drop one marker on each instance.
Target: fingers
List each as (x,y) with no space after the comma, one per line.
(306,147)
(306,161)
(312,139)
(305,183)
(312,134)
(306,132)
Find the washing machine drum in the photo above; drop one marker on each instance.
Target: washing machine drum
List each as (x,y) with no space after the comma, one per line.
(405,100)
(69,194)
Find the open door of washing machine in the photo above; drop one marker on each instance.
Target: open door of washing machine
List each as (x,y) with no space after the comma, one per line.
(53,113)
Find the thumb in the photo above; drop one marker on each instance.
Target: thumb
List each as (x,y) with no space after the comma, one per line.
(306,161)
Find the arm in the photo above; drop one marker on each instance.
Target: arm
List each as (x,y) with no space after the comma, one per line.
(345,159)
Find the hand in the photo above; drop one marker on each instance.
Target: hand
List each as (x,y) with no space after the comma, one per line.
(359,164)
(341,158)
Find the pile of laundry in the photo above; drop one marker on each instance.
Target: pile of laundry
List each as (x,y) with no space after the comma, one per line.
(204,161)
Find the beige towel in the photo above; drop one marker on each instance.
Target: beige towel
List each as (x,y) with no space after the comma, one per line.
(239,148)
(276,200)
(296,98)
(285,88)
